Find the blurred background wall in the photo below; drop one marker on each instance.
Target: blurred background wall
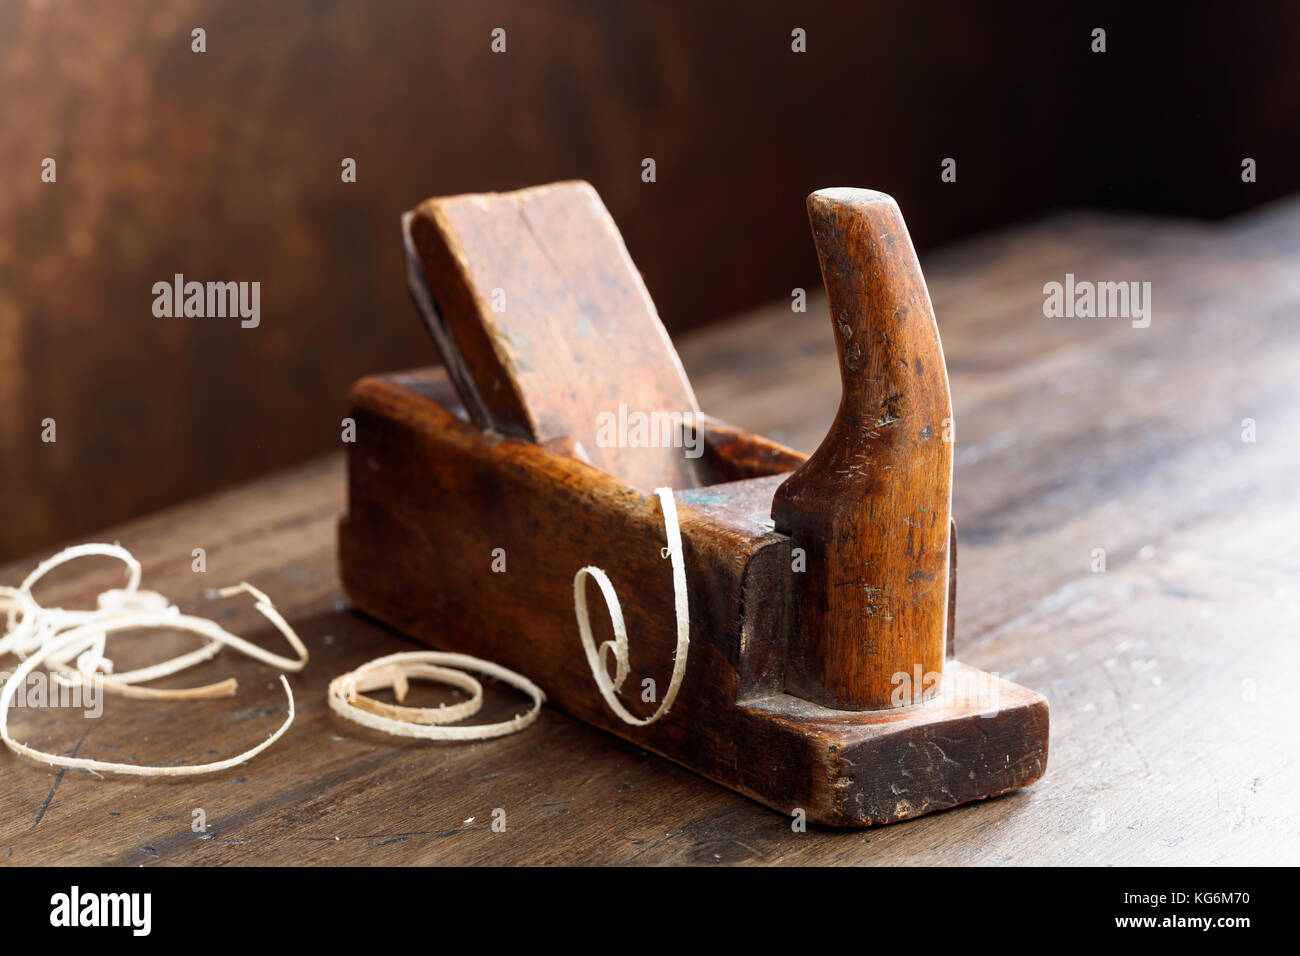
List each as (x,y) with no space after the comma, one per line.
(225,165)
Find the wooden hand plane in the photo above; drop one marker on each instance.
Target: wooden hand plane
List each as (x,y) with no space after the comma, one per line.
(821,589)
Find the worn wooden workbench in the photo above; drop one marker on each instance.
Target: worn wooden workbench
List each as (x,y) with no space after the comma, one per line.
(1171,674)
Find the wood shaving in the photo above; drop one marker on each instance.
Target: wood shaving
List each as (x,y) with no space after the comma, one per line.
(71,644)
(427,723)
(598,658)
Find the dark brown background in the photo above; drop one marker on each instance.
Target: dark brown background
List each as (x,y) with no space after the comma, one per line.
(225,166)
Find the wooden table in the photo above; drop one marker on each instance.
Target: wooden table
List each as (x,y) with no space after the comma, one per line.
(1169,674)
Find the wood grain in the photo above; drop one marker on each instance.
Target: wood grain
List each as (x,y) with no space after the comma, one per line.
(871,507)
(447,523)
(548,326)
(1170,675)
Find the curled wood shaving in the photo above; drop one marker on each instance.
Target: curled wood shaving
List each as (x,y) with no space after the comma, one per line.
(428,723)
(72,644)
(598,658)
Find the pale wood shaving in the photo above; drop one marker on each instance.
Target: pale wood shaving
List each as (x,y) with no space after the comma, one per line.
(598,658)
(55,637)
(428,723)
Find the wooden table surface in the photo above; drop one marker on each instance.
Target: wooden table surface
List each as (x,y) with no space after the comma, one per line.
(1169,674)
